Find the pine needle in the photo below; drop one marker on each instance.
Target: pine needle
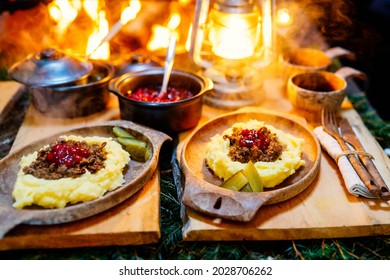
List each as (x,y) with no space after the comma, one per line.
(297,253)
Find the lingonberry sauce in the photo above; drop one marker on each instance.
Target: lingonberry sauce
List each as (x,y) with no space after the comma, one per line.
(152,94)
(252,137)
(69,155)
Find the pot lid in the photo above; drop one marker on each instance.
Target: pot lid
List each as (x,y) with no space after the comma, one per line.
(49,67)
(136,63)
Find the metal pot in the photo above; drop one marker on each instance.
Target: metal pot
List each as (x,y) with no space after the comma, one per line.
(135,63)
(50,67)
(64,86)
(75,99)
(169,117)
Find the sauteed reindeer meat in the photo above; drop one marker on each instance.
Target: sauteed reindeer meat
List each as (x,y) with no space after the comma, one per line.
(253,145)
(67,158)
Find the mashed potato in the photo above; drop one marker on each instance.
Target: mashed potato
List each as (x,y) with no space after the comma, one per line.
(271,173)
(29,190)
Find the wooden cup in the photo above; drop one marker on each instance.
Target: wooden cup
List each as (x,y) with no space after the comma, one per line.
(311,92)
(302,60)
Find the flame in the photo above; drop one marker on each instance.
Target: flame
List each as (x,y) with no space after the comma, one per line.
(91,8)
(98,17)
(102,30)
(103,52)
(131,11)
(232,41)
(283,17)
(184,2)
(63,12)
(161,34)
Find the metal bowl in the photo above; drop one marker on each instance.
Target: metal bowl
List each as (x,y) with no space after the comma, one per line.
(169,117)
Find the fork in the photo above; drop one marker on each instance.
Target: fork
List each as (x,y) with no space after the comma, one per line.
(329,123)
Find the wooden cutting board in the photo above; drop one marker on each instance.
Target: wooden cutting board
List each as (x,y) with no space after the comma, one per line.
(324,210)
(133,222)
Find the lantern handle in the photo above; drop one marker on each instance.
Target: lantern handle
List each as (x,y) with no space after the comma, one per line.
(200,17)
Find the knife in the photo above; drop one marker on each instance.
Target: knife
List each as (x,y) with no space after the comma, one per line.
(349,136)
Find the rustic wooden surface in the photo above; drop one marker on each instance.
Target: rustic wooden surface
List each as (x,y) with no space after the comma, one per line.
(9,93)
(324,210)
(135,221)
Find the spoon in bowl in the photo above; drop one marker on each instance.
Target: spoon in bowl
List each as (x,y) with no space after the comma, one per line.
(168,66)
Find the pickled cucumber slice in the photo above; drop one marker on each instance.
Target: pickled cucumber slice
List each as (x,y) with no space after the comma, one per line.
(246,188)
(120,132)
(148,153)
(235,182)
(137,148)
(253,177)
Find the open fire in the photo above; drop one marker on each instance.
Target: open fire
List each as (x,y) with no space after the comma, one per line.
(115,30)
(80,26)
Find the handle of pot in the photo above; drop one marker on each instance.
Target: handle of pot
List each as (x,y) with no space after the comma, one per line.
(347,72)
(208,83)
(111,85)
(336,52)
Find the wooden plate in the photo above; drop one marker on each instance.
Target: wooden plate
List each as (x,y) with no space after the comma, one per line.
(136,175)
(201,187)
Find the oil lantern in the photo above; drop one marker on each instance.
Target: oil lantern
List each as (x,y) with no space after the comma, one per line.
(233,41)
